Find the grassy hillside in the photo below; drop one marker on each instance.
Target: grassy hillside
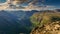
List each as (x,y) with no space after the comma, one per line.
(45,21)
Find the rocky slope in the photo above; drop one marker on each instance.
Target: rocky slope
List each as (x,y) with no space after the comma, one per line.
(51,28)
(48,24)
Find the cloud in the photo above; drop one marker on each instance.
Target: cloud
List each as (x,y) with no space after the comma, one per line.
(19,1)
(39,8)
(30,6)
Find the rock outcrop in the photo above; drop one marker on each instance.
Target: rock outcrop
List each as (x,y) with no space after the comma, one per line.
(51,28)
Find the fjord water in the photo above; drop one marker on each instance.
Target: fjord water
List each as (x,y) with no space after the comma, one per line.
(15,22)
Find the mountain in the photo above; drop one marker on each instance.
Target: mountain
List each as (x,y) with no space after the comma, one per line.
(58,10)
(23,16)
(13,22)
(8,23)
(17,21)
(46,22)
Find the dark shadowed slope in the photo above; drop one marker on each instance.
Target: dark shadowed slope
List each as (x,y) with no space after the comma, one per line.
(8,23)
(15,22)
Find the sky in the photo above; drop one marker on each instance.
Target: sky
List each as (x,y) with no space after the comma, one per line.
(48,2)
(2,1)
(55,3)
